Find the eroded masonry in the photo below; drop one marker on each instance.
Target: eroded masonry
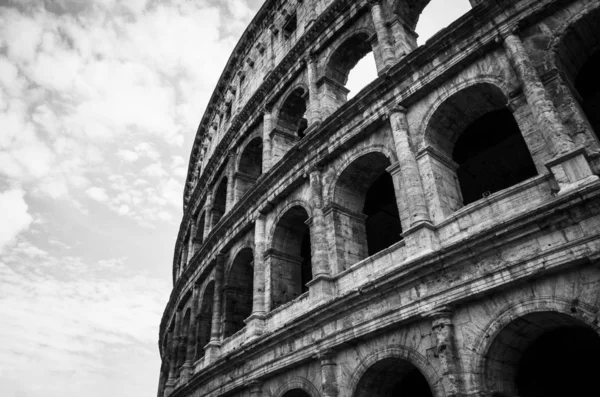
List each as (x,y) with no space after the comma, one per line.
(438,234)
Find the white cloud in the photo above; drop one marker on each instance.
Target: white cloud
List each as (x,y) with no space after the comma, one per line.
(14,216)
(97,193)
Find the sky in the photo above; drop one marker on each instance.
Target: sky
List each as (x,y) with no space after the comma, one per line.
(99,104)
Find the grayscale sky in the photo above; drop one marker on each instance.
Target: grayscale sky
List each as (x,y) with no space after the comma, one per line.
(99,104)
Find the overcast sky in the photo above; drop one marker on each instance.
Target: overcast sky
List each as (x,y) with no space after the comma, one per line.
(99,104)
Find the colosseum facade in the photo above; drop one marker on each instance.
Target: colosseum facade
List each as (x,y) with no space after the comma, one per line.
(435,235)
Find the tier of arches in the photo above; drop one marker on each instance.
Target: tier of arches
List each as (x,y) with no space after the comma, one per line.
(533,348)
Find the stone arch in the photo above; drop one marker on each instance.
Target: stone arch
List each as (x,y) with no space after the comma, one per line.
(290,254)
(530,320)
(364,207)
(294,383)
(204,318)
(249,167)
(200,226)
(405,354)
(472,129)
(291,115)
(575,50)
(184,332)
(237,291)
(343,57)
(219,205)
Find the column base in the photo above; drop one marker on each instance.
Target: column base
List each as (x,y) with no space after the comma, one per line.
(186,372)
(321,288)
(169,387)
(571,171)
(255,325)
(212,351)
(420,239)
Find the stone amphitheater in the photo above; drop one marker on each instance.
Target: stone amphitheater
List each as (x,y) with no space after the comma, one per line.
(437,234)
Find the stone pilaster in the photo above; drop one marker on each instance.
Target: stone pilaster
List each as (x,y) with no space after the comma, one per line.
(255,323)
(267,128)
(313,90)
(174,348)
(569,165)
(229,200)
(186,370)
(329,385)
(320,285)
(255,387)
(214,346)
(383,36)
(446,351)
(191,245)
(208,214)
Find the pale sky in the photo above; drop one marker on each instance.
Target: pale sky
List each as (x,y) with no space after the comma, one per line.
(99,104)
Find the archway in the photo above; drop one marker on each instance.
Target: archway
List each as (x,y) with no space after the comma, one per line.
(366,212)
(290,256)
(292,114)
(220,202)
(250,166)
(546,354)
(204,320)
(296,393)
(476,130)
(238,292)
(183,339)
(391,377)
(200,229)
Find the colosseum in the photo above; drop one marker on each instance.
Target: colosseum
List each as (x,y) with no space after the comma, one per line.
(435,235)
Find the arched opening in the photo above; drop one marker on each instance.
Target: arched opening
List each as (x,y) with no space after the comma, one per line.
(587,85)
(545,354)
(184,332)
(478,132)
(200,229)
(238,292)
(437,15)
(290,256)
(365,214)
(220,202)
(393,377)
(292,114)
(204,320)
(296,393)
(250,166)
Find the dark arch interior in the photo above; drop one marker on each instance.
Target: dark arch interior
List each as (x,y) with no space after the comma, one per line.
(587,85)
(251,159)
(292,256)
(184,332)
(204,321)
(383,220)
(238,292)
(296,393)
(219,203)
(561,362)
(347,56)
(492,155)
(292,115)
(200,228)
(392,377)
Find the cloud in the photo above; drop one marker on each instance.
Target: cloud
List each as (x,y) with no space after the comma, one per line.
(14,216)
(97,193)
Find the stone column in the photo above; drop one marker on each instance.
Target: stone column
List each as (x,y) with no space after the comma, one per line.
(186,370)
(229,200)
(311,12)
(313,90)
(208,215)
(191,246)
(568,165)
(214,346)
(320,285)
(255,323)
(267,128)
(255,388)
(417,228)
(329,385)
(174,348)
(446,351)
(383,35)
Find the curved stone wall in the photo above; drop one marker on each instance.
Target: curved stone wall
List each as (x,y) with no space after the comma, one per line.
(403,240)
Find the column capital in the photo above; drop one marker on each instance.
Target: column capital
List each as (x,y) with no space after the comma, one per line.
(397,109)
(441,316)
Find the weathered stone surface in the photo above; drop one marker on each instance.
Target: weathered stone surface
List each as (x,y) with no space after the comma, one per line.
(436,235)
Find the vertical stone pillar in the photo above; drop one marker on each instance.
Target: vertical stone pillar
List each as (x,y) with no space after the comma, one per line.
(313,90)
(255,388)
(191,245)
(214,346)
(446,351)
(311,12)
(267,128)
(255,323)
(383,35)
(569,166)
(320,285)
(186,370)
(417,228)
(329,385)
(174,348)
(229,200)
(208,214)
